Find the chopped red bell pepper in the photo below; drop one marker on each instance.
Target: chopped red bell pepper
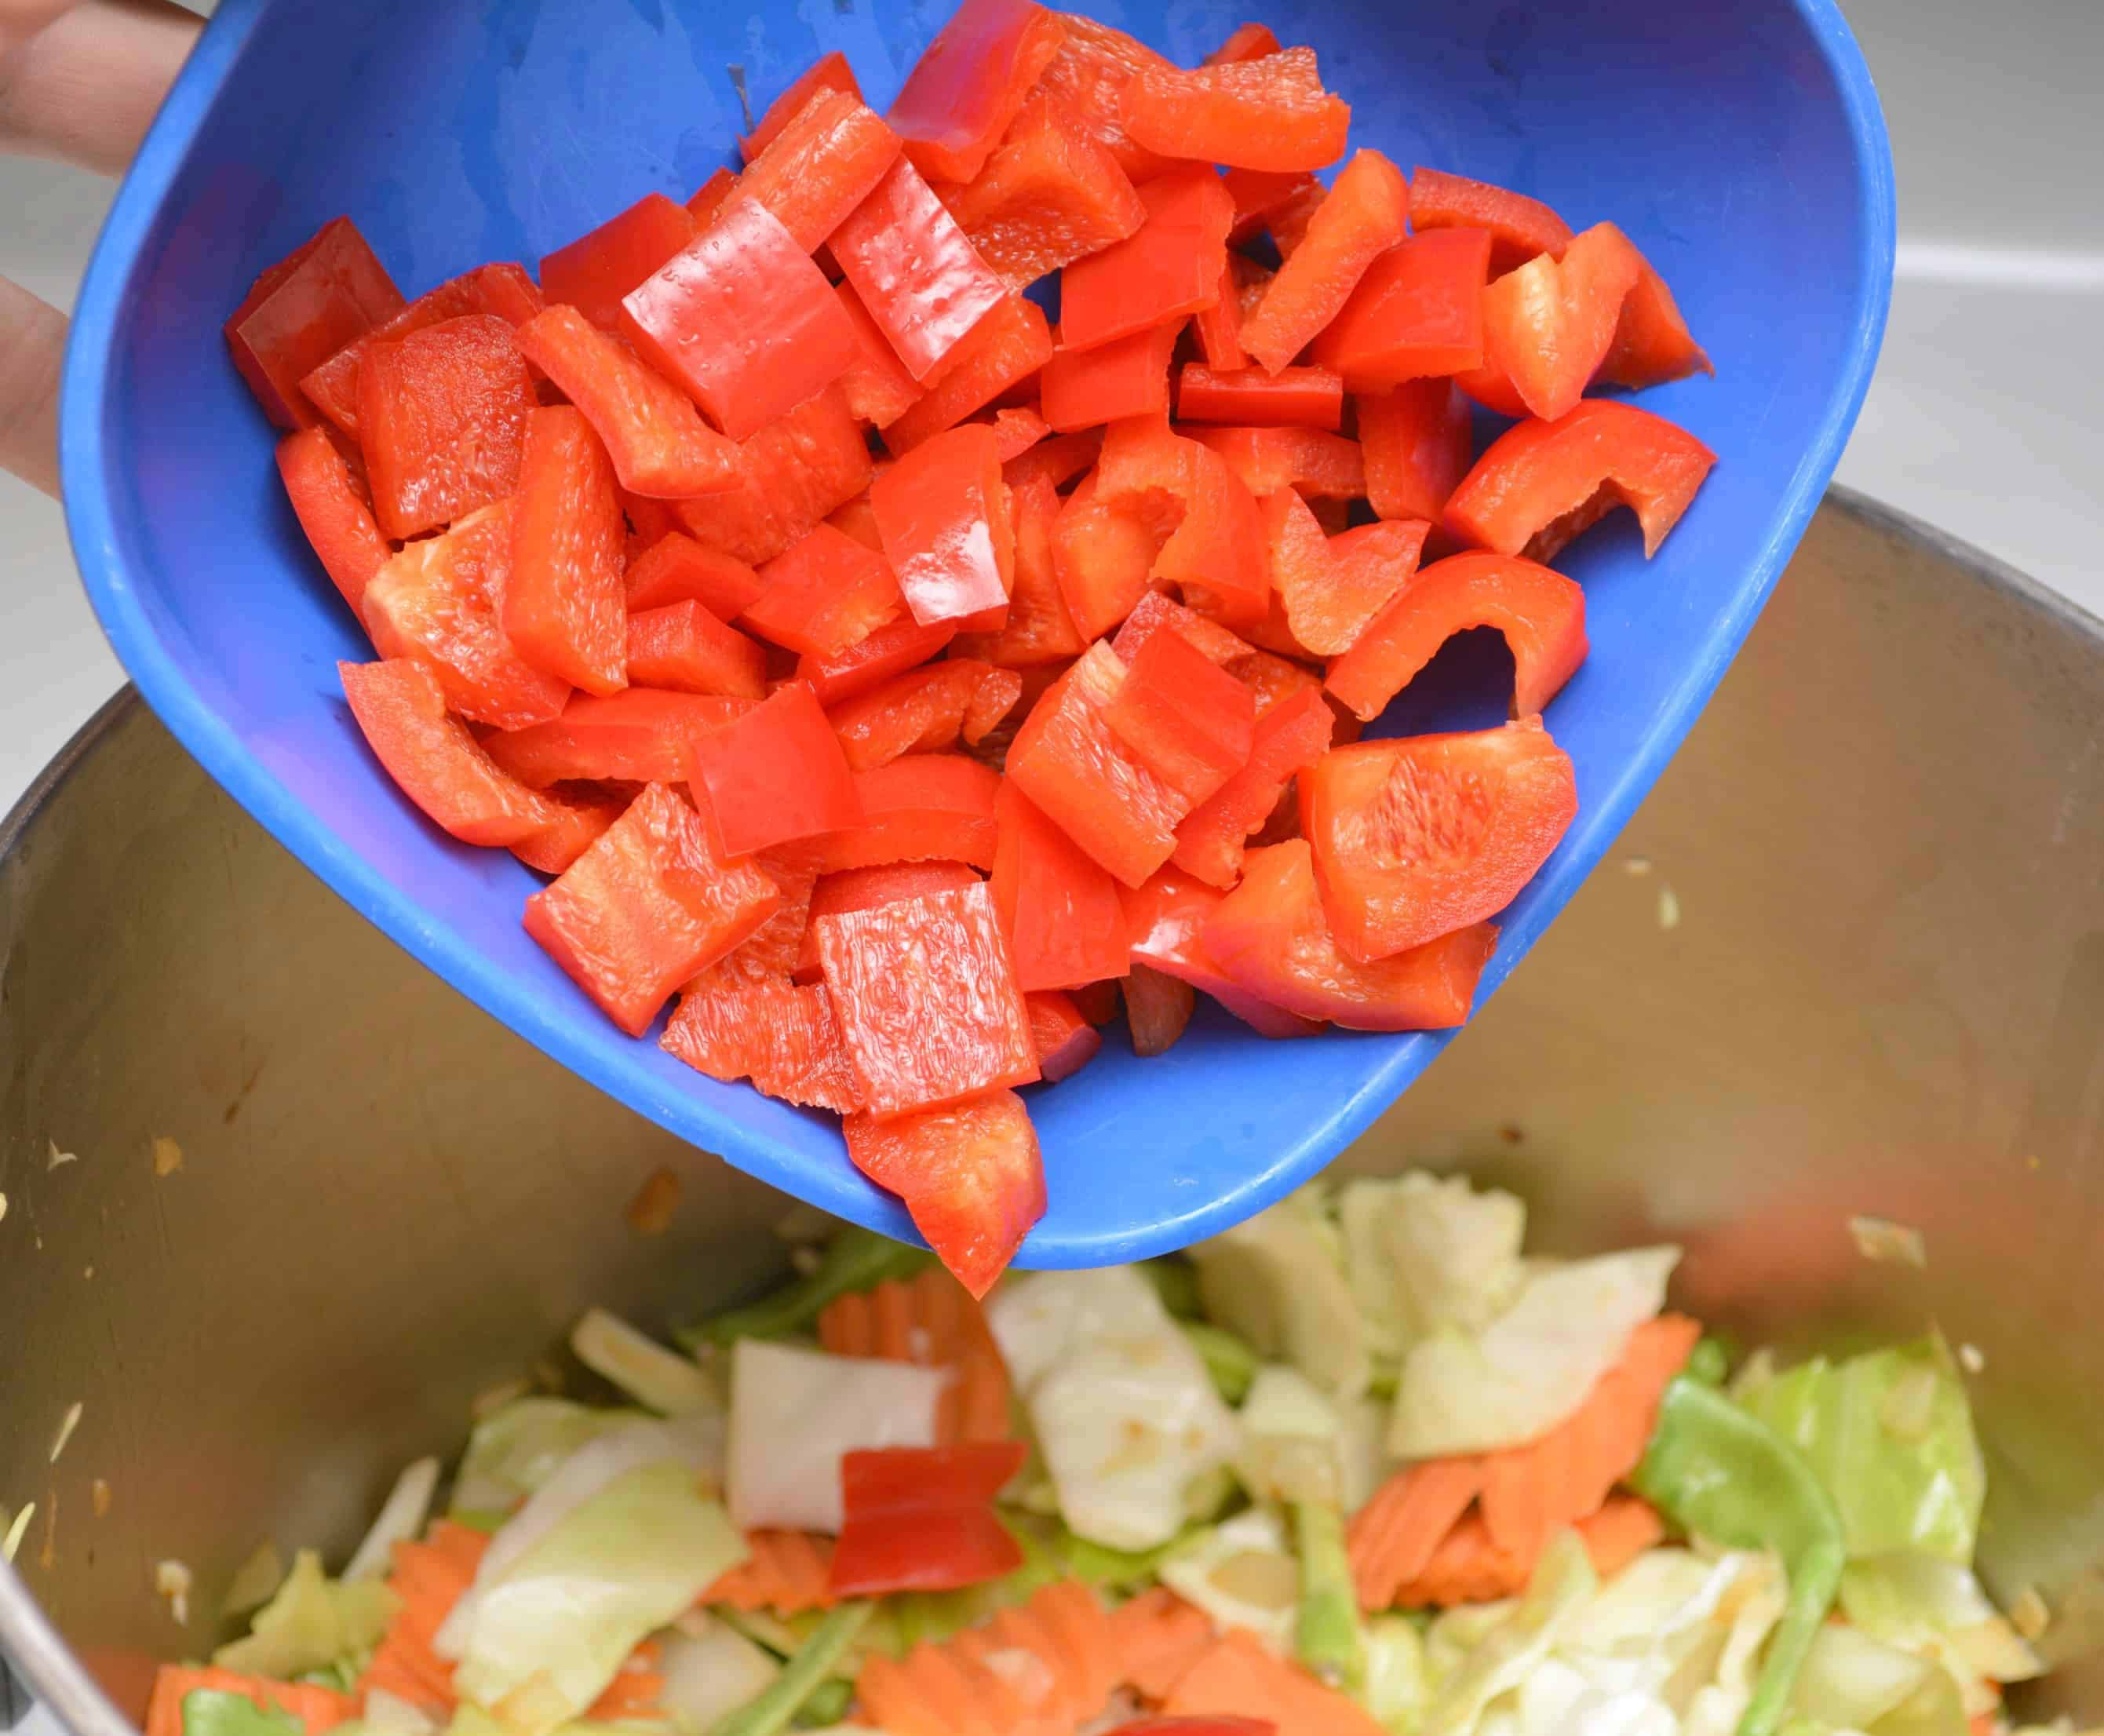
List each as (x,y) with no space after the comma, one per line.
(856,519)
(1652,344)
(1183,717)
(676,568)
(1102,557)
(889,651)
(1066,1042)
(876,386)
(1056,461)
(564,597)
(1158,1010)
(775,775)
(1275,679)
(1279,204)
(639,735)
(1244,43)
(1293,397)
(822,165)
(926,807)
(503,290)
(1167,916)
(1169,267)
(1016,429)
(1290,737)
(434,758)
(829,71)
(783,1038)
(927,1000)
(1541,613)
(1330,588)
(1417,312)
(1268,113)
(1416,442)
(999,693)
(1367,212)
(1423,835)
(593,272)
(301,311)
(1520,228)
(1541,483)
(650,903)
(1051,195)
(943,512)
(1006,347)
(921,1519)
(789,476)
(1126,376)
(683,648)
(1097,1002)
(969,83)
(1215,557)
(708,198)
(920,712)
(333,512)
(1059,908)
(1548,325)
(917,273)
(660,446)
(1038,630)
(1088,77)
(1321,466)
(1155,612)
(442,418)
(743,320)
(823,595)
(772,952)
(437,600)
(866,888)
(970,1174)
(1219,326)
(578,818)
(1270,936)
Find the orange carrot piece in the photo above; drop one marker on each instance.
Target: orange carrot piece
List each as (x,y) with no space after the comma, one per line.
(636,1690)
(429,1577)
(787,1572)
(1620,1532)
(931,1321)
(1237,1676)
(1046,1666)
(1158,1637)
(318,1708)
(1395,1534)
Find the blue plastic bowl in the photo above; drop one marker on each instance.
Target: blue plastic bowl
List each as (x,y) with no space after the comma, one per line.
(1739,144)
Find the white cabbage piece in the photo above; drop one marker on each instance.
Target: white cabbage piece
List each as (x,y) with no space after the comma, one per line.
(795,1413)
(1124,1413)
(1278,1279)
(1853,1682)
(515,1449)
(311,1623)
(1399,1684)
(1243,1574)
(402,1517)
(389,1714)
(1526,1633)
(710,1669)
(1557,1699)
(1937,1609)
(1429,1252)
(1292,1440)
(1531,1367)
(657,1377)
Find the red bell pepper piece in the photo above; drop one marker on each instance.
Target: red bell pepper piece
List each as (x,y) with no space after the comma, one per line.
(743,320)
(683,648)
(823,595)
(708,198)
(1183,716)
(818,168)
(1417,312)
(1415,443)
(874,659)
(1066,1042)
(921,1519)
(504,290)
(876,386)
(943,512)
(1324,466)
(442,418)
(783,1038)
(970,1174)
(639,736)
(1126,376)
(1548,325)
(788,477)
(1290,737)
(333,513)
(1167,916)
(1169,267)
(1215,554)
(1158,1010)
(1101,554)
(1274,202)
(676,568)
(650,903)
(1520,228)
(1038,630)
(927,1000)
(437,600)
(1270,936)
(1006,347)
(917,272)
(926,807)
(1088,77)
(855,519)
(1330,588)
(659,444)
(1051,195)
(1219,326)
(1059,908)
(1275,679)
(1268,113)
(593,272)
(1156,612)
(970,81)
(301,311)
(1016,429)
(1367,212)
(578,818)
(434,758)
(1056,461)
(1421,837)
(829,71)
(1097,1002)
(999,693)
(1541,483)
(564,597)
(775,775)
(1244,43)
(1652,344)
(1293,397)
(771,954)
(866,888)
(1069,760)
(920,712)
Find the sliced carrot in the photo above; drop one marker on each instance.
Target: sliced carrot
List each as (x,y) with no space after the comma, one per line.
(933,1321)
(636,1690)
(1158,1637)
(318,1708)
(1237,1675)
(429,1577)
(785,1572)
(1620,1532)
(1392,1536)
(1469,1568)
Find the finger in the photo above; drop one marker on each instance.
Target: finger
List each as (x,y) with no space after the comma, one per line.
(21,19)
(33,336)
(85,86)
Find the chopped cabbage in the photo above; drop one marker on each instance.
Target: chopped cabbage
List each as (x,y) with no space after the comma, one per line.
(794,1413)
(1427,1253)
(658,1379)
(1122,1407)
(1398,1685)
(512,1450)
(1559,1699)
(311,1623)
(1853,1682)
(212,1711)
(710,1669)
(1279,1280)
(1531,1367)
(1936,1610)
(1241,1573)
(402,1516)
(1291,1437)
(1525,1633)
(389,1714)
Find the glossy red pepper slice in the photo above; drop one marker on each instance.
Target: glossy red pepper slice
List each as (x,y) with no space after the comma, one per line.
(1006,348)
(1245,42)
(1549,325)
(565,595)
(593,272)
(870,661)
(1156,612)
(683,648)
(1038,629)
(1055,462)
(1058,907)
(1266,114)
(821,165)
(1421,837)
(301,311)
(1329,588)
(1290,737)
(1215,551)
(1365,214)
(1168,917)
(969,1173)
(442,419)
(775,775)
(1184,717)
(1417,312)
(1101,554)
(1219,326)
(1293,397)
(1325,466)
(1541,484)
(676,568)
(1170,267)
(1416,442)
(1016,429)
(920,712)
(709,198)
(970,81)
(1066,1042)
(942,511)
(866,888)
(1266,201)
(824,594)
(639,735)
(783,1038)
(771,954)
(1652,344)
(1125,377)
(1158,1008)
(829,71)
(1541,614)
(788,477)
(926,807)
(578,818)
(921,1519)
(916,271)
(1088,77)
(1520,228)
(334,513)
(877,386)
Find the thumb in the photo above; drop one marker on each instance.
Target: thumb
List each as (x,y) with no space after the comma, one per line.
(33,335)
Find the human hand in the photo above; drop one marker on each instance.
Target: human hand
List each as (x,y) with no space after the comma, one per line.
(79,82)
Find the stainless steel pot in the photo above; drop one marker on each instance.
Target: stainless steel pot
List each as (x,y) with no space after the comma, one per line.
(1884,993)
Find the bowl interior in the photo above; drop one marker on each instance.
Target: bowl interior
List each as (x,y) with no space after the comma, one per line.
(1740,148)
